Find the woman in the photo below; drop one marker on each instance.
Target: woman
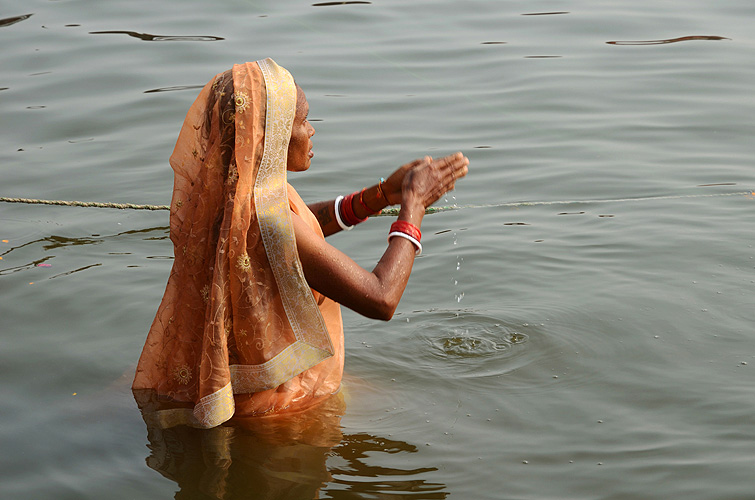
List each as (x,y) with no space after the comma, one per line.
(250,322)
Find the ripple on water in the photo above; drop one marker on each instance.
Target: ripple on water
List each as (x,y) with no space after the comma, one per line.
(530,351)
(467,343)
(476,339)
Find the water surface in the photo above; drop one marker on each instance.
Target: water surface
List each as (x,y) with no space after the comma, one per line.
(601,347)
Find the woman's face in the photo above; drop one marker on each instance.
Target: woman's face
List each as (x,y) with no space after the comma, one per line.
(300,147)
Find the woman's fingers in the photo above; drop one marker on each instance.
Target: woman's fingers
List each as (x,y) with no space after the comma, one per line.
(393,185)
(454,165)
(429,179)
(452,168)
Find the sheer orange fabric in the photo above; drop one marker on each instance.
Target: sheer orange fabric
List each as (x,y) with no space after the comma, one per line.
(238,329)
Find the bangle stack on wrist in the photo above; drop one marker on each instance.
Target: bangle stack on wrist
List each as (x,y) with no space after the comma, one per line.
(345,216)
(408,231)
(344,208)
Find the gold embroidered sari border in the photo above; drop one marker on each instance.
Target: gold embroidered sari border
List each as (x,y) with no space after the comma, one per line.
(276,227)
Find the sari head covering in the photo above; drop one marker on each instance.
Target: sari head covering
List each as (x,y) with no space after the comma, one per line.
(237,317)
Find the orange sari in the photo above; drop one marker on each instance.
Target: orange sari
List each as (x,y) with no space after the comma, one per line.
(238,330)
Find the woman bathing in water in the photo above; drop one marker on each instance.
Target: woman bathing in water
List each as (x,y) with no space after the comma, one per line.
(250,323)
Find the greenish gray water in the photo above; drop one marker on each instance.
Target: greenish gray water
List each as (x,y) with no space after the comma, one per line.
(578,350)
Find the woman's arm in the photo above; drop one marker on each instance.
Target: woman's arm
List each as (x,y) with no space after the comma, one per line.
(376,294)
(374,199)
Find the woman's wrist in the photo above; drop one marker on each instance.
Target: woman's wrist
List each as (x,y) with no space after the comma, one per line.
(370,201)
(411,211)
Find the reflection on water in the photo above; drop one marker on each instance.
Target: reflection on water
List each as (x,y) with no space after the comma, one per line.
(280,457)
(53,242)
(330,4)
(13,20)
(363,480)
(174,88)
(545,13)
(668,40)
(159,38)
(76,270)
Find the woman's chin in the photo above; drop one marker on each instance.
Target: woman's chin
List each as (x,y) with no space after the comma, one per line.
(299,167)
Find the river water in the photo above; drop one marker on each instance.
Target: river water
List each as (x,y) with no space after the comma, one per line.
(581,326)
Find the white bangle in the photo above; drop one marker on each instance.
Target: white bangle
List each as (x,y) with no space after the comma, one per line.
(406,236)
(338,215)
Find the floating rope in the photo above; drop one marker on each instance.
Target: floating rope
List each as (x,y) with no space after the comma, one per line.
(87,204)
(131,206)
(389,211)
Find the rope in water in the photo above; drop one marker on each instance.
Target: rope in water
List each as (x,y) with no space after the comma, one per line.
(87,204)
(131,206)
(388,211)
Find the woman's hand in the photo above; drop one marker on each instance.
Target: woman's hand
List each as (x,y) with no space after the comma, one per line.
(426,182)
(394,184)
(427,178)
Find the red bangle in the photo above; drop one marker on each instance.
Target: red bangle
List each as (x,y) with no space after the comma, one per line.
(349,217)
(401,226)
(408,231)
(364,205)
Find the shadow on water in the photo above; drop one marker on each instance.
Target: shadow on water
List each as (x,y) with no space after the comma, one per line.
(300,455)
